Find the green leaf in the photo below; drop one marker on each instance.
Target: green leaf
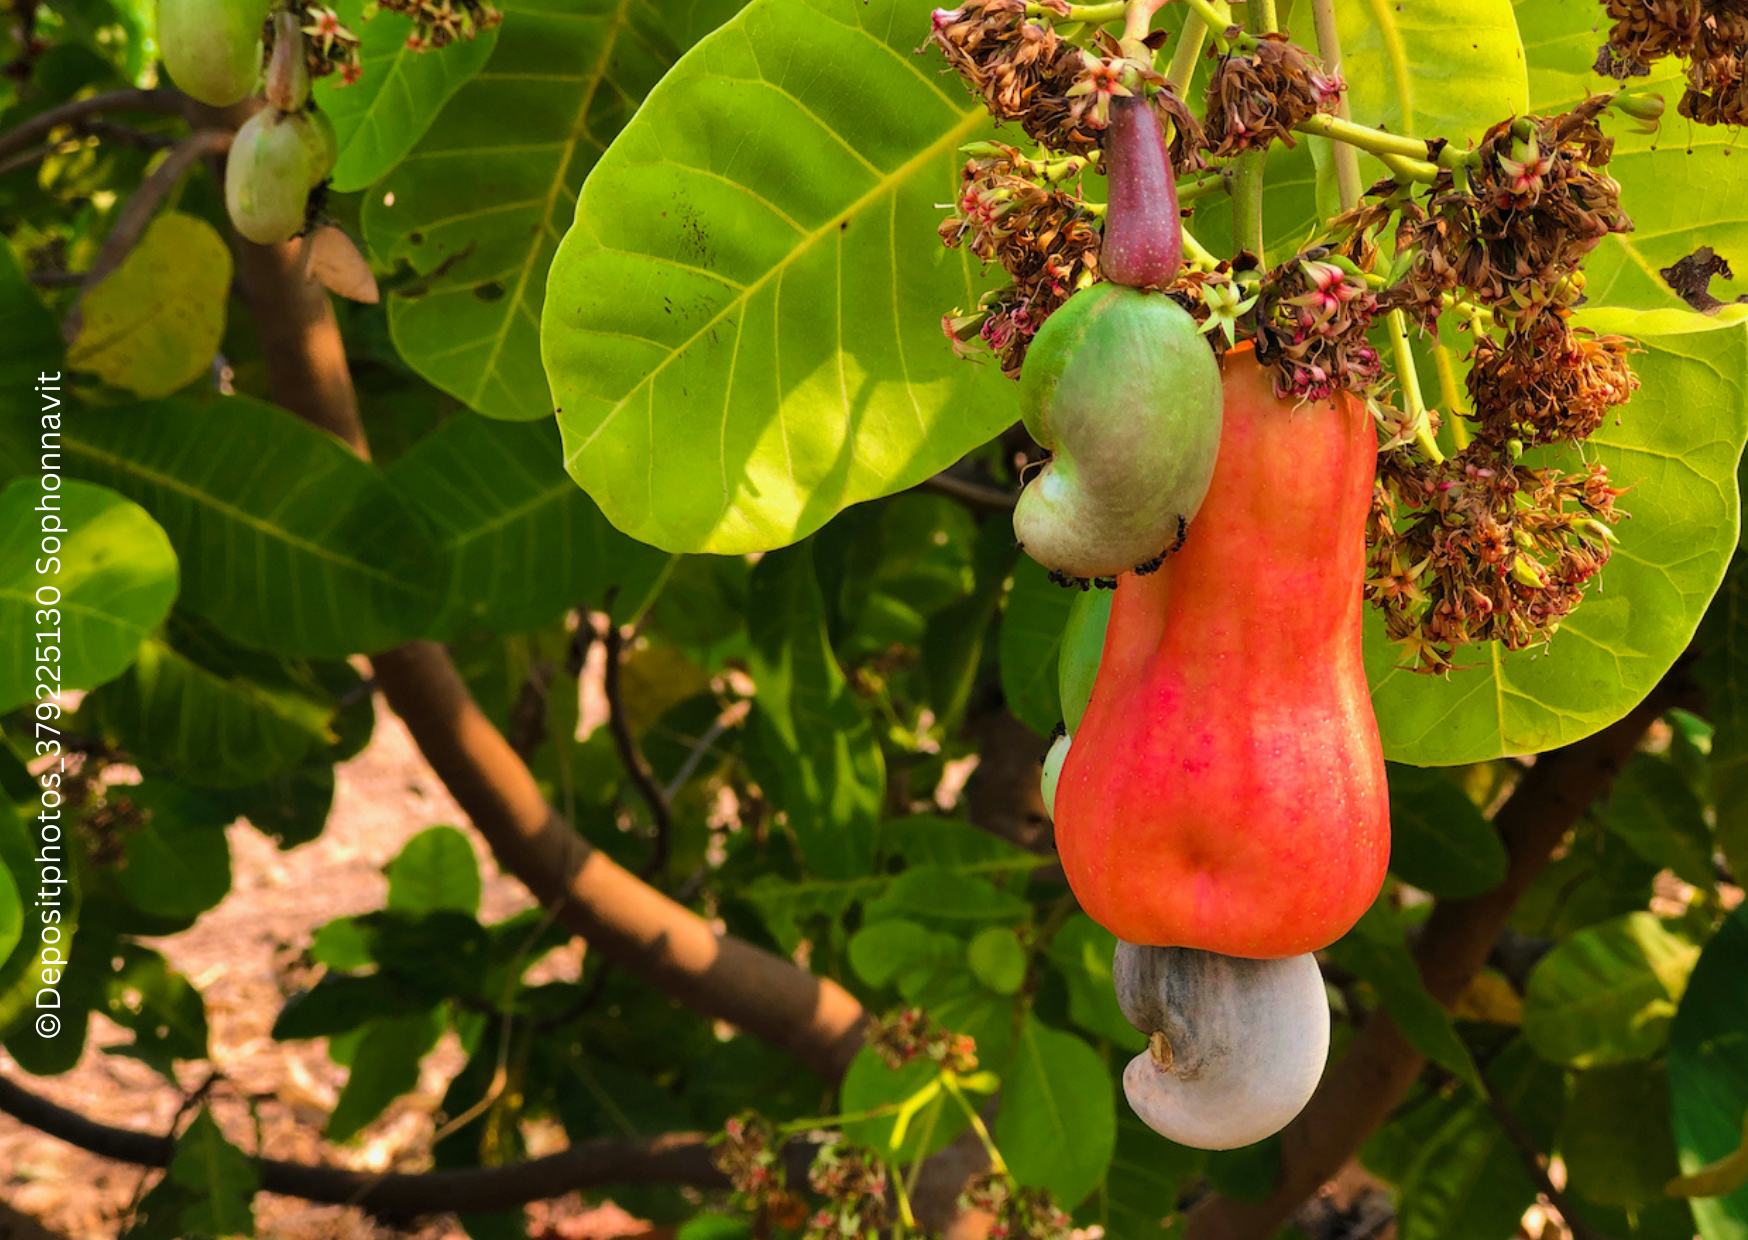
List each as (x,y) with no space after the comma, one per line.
(30,340)
(1377,951)
(385,1065)
(288,542)
(1057,1126)
(890,951)
(1677,446)
(1607,994)
(153,324)
(1081,951)
(1439,842)
(480,212)
(116,575)
(1464,1177)
(208,712)
(220,1179)
(1708,1071)
(11,914)
(338,1004)
(784,357)
(1434,68)
(435,870)
(1652,808)
(1031,642)
(379,117)
(831,776)
(290,809)
(929,1121)
(997,960)
(177,862)
(524,545)
(1723,670)
(938,896)
(1147,1178)
(165,1013)
(1615,1137)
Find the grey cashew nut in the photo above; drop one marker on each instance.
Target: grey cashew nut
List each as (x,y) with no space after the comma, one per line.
(1236,1047)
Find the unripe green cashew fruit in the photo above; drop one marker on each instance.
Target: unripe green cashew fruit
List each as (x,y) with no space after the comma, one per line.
(268,176)
(1236,1047)
(1226,786)
(1052,771)
(212,48)
(1125,393)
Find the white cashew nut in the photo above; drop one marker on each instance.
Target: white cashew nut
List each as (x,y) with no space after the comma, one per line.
(1236,1046)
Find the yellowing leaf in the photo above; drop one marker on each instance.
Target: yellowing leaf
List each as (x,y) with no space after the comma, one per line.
(154,323)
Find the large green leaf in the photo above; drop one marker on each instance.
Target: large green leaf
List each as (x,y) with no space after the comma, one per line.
(1057,1127)
(30,341)
(116,574)
(11,914)
(774,210)
(816,738)
(209,712)
(525,545)
(479,205)
(177,862)
(1652,808)
(1607,994)
(1676,445)
(385,1065)
(1684,186)
(1615,1137)
(435,870)
(1708,1071)
(1434,68)
(288,542)
(1723,670)
(1081,951)
(1439,841)
(379,117)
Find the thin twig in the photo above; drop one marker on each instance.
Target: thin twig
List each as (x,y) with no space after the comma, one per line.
(1535,1162)
(974,495)
(41,125)
(631,757)
(1347,159)
(131,224)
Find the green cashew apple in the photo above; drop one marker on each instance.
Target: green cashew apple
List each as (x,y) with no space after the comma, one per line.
(1125,393)
(212,48)
(269,175)
(324,144)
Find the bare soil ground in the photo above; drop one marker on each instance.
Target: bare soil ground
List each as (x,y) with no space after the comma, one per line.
(241,956)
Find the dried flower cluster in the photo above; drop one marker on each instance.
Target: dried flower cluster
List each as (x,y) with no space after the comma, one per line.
(1710,35)
(1016,213)
(911,1034)
(1256,97)
(852,1182)
(1311,320)
(1547,382)
(1512,233)
(438,23)
(1017,1213)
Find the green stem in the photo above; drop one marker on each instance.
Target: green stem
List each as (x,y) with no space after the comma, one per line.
(995,1160)
(1247,184)
(1348,186)
(1409,378)
(1138,18)
(906,1215)
(1198,254)
(1405,169)
(1452,395)
(1190,43)
(1095,14)
(1202,185)
(1216,15)
(837,1121)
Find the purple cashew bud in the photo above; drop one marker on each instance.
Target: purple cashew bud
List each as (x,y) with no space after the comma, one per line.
(1144,237)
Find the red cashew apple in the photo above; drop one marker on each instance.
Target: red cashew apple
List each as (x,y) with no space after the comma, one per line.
(1225,789)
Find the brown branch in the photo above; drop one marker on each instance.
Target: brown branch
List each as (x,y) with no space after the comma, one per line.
(41,125)
(142,205)
(1359,1091)
(681,1158)
(631,757)
(625,919)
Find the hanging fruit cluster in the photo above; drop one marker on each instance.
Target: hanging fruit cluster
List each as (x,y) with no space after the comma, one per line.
(1214,461)
(219,51)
